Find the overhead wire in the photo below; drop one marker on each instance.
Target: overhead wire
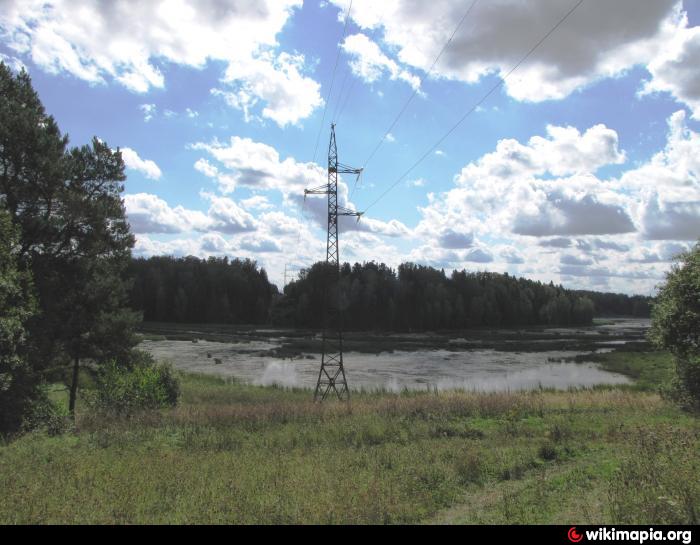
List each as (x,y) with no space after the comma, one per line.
(330,89)
(415,91)
(498,84)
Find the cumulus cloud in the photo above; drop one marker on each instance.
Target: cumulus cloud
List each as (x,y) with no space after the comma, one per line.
(669,220)
(149,213)
(449,238)
(275,80)
(145,166)
(131,41)
(370,64)
(563,219)
(562,152)
(512,256)
(227,217)
(669,186)
(515,189)
(562,213)
(258,166)
(260,244)
(675,68)
(599,40)
(478,255)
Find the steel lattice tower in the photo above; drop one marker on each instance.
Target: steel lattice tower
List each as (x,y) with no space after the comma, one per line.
(331,376)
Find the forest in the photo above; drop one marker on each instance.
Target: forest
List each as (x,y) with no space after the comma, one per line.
(373,296)
(193,290)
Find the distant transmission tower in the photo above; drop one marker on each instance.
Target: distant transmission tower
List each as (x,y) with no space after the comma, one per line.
(331,376)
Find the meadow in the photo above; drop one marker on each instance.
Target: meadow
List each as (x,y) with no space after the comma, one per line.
(235,453)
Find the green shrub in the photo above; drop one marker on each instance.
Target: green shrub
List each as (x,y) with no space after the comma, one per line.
(128,390)
(48,416)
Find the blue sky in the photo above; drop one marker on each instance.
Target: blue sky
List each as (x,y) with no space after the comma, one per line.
(583,168)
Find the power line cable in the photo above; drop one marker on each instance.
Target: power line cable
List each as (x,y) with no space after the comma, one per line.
(330,89)
(501,81)
(415,91)
(347,99)
(340,96)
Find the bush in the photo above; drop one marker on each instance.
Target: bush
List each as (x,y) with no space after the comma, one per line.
(48,416)
(676,325)
(128,390)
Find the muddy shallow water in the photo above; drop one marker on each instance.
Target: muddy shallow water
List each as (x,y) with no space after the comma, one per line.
(480,370)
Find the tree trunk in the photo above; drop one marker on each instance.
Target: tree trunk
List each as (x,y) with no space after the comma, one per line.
(74,387)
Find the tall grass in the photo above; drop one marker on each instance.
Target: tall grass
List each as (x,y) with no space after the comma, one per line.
(244,454)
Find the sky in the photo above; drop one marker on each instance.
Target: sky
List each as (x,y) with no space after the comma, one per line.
(578,163)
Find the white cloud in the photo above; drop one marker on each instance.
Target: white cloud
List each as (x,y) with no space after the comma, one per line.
(369,63)
(600,39)
(449,238)
(227,217)
(206,168)
(257,165)
(260,244)
(131,41)
(669,186)
(670,220)
(145,166)
(149,110)
(505,191)
(675,68)
(559,212)
(478,255)
(278,81)
(563,152)
(150,214)
(538,211)
(256,202)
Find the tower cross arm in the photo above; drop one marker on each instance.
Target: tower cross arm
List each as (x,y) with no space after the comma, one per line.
(345,169)
(320,190)
(342,211)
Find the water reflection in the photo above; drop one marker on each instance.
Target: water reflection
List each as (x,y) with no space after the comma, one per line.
(478,370)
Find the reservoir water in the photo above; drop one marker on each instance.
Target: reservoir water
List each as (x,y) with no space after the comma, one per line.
(441,369)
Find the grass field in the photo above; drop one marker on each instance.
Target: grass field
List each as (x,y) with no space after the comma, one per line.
(233,453)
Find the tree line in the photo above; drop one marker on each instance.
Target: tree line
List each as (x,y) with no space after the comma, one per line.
(419,298)
(373,296)
(193,290)
(618,304)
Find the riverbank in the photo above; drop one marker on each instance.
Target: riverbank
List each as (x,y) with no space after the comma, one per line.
(238,453)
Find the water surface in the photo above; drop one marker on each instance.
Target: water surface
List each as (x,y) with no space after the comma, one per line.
(479,370)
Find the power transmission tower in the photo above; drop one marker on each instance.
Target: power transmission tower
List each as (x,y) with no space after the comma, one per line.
(331,376)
